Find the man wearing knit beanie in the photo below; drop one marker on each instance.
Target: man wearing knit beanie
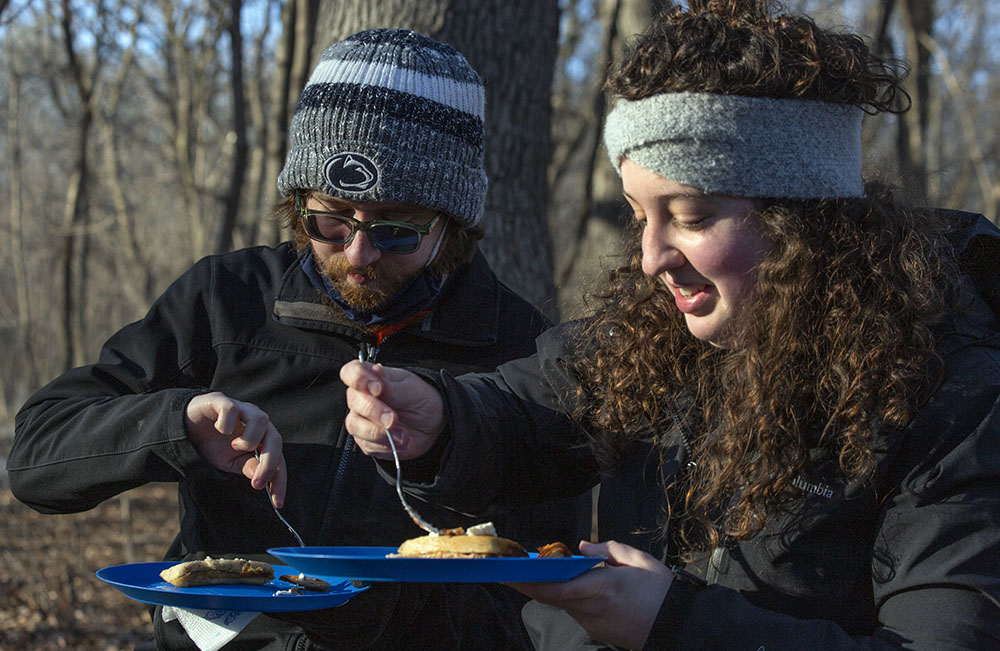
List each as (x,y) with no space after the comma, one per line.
(390,115)
(383,188)
(389,128)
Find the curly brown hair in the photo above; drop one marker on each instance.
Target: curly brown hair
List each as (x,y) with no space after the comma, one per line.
(751,48)
(837,341)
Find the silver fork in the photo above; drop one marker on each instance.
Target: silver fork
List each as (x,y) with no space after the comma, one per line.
(295,533)
(423,524)
(367,356)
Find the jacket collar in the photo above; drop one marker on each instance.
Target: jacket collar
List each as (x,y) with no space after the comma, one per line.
(466,313)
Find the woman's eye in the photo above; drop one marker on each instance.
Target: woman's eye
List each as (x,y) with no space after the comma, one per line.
(691,220)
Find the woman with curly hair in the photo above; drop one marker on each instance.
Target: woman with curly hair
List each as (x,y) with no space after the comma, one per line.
(790,392)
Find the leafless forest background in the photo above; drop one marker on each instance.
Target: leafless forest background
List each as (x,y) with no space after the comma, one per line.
(140,135)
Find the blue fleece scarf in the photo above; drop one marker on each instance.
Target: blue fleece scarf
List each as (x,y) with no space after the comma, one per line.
(415,296)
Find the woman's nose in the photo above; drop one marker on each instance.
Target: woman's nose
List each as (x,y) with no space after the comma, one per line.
(659,253)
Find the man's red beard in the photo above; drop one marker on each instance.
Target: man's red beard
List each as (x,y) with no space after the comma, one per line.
(368,298)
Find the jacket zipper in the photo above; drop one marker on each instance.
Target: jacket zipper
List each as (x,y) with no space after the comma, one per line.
(367,352)
(714,563)
(715,560)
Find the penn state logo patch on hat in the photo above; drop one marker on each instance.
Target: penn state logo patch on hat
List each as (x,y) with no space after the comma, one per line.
(350,171)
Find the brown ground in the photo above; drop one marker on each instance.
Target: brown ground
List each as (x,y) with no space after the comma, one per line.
(49,596)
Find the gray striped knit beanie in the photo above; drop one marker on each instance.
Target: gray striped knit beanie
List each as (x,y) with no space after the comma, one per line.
(390,115)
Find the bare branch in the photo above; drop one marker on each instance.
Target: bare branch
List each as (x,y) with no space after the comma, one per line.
(988,189)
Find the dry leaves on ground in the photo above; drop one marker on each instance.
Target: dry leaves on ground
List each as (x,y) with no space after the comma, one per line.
(49,595)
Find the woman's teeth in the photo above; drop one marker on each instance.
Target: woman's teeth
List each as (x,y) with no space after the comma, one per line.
(686,292)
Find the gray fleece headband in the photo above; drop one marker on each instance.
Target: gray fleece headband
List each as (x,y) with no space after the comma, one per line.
(742,146)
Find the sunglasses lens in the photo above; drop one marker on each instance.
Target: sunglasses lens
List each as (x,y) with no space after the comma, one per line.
(395,238)
(328,228)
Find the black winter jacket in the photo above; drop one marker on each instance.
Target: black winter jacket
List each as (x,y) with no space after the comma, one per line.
(908,559)
(250,325)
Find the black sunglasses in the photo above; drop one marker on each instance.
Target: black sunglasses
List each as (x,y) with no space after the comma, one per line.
(389,236)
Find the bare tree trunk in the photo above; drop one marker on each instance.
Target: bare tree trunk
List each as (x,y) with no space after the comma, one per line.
(29,364)
(82,274)
(180,102)
(133,268)
(989,187)
(260,197)
(580,269)
(182,146)
(238,172)
(596,229)
(276,137)
(917,17)
(298,18)
(881,36)
(518,75)
(72,216)
(137,278)
(306,17)
(337,20)
(75,215)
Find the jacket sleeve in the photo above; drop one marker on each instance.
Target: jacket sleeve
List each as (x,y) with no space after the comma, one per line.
(936,557)
(98,430)
(510,441)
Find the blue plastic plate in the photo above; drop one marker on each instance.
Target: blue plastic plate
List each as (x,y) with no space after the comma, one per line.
(142,582)
(371,564)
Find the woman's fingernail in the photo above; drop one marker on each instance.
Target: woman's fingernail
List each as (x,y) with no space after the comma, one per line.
(386,420)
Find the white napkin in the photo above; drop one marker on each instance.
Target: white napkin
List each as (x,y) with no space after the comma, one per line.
(210,630)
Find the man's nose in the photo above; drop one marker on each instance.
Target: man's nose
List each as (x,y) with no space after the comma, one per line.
(360,252)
